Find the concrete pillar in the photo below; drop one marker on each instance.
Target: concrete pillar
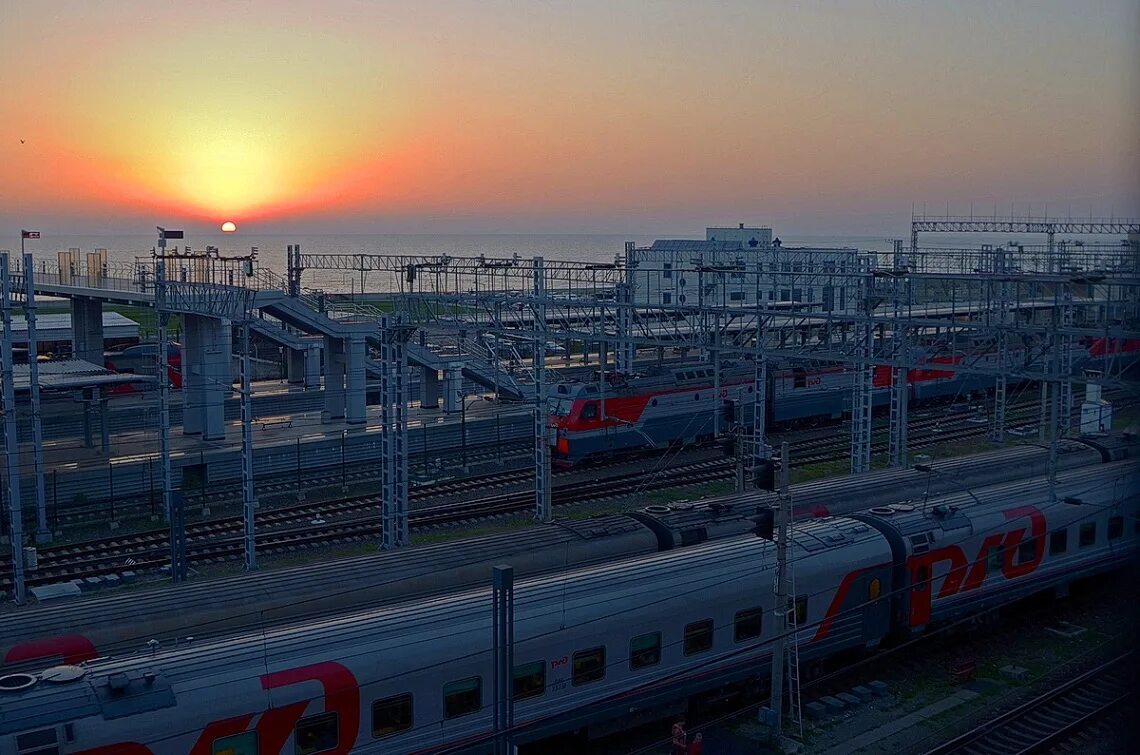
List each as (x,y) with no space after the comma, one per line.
(453,388)
(356,403)
(334,379)
(192,375)
(217,350)
(429,389)
(295,365)
(207,375)
(87,329)
(313,355)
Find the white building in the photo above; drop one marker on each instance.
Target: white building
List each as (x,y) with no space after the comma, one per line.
(738,266)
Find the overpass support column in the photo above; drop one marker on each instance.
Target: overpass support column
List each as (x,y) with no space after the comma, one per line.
(217,348)
(193,375)
(453,388)
(313,356)
(295,365)
(87,329)
(429,389)
(356,409)
(334,379)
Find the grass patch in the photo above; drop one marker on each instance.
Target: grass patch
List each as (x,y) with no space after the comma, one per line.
(458,533)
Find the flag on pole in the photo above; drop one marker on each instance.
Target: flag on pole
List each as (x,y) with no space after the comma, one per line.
(29,234)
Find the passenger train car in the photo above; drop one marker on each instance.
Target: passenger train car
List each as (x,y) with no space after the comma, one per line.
(595,649)
(675,405)
(97,624)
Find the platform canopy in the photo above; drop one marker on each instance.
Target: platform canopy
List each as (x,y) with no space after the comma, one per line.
(71,374)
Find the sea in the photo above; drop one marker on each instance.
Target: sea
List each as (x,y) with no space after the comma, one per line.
(271,248)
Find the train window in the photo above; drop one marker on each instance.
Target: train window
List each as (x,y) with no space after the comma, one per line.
(698,637)
(462,697)
(1058,542)
(667,270)
(653,402)
(747,624)
(1115,527)
(529,680)
(690,375)
(696,397)
(42,742)
(1088,534)
(666,298)
(392,714)
(244,743)
(316,734)
(645,650)
(589,666)
(590,411)
(736,296)
(799,377)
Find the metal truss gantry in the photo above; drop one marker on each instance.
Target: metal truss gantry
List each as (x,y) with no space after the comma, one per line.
(394,430)
(989,307)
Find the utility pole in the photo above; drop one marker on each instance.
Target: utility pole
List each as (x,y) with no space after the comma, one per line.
(43,534)
(741,468)
(780,607)
(249,503)
(11,442)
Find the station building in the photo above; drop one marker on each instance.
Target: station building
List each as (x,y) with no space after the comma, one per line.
(741,266)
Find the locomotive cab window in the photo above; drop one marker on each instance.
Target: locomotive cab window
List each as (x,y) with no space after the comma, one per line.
(316,734)
(747,624)
(698,637)
(589,666)
(645,650)
(244,743)
(392,714)
(590,411)
(1058,542)
(462,697)
(1088,534)
(1115,527)
(529,680)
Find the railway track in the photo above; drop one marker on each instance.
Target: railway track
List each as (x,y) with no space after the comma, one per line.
(289,528)
(228,493)
(1052,719)
(280,531)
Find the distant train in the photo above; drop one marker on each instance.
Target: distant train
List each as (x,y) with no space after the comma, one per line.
(675,405)
(142,359)
(595,650)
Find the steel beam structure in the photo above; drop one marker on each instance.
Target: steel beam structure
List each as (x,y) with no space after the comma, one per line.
(862,391)
(900,376)
(249,501)
(43,532)
(543,506)
(11,438)
(394,435)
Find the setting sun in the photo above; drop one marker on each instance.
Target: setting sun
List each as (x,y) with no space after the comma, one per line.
(228,227)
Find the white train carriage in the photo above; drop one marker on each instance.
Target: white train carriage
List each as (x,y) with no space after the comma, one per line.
(604,644)
(600,647)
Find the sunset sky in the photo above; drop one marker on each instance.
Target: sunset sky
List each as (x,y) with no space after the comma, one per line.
(582,116)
